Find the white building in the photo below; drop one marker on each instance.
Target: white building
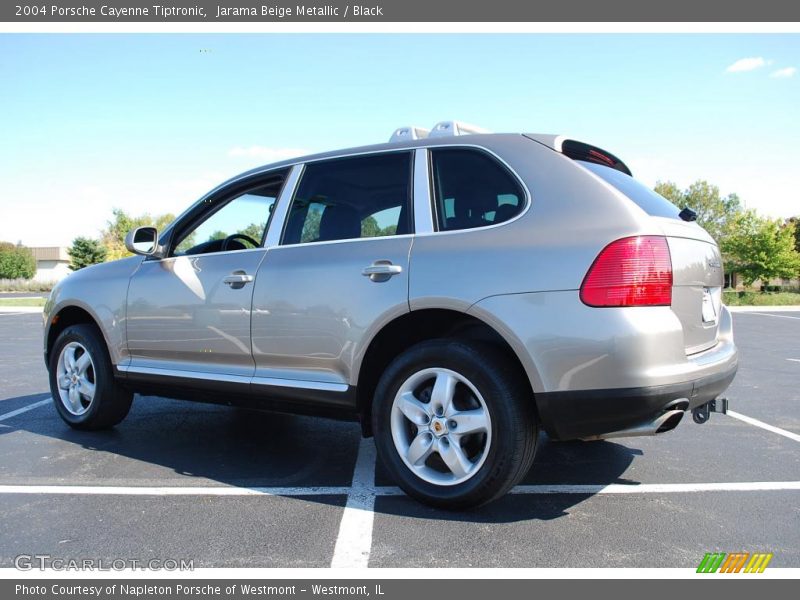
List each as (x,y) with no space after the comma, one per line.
(52,263)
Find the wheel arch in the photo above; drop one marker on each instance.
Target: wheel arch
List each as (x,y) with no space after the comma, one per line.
(66,316)
(420,325)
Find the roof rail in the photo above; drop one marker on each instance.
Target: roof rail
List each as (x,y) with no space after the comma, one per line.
(449,128)
(404,134)
(441,129)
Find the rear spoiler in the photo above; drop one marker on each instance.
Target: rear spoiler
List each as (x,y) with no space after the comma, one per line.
(580,151)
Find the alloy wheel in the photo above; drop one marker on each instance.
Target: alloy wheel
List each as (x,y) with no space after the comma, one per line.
(441,426)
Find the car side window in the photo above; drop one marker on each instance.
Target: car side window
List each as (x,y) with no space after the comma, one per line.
(472,189)
(350,198)
(238,224)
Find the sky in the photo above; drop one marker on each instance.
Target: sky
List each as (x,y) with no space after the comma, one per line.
(149,122)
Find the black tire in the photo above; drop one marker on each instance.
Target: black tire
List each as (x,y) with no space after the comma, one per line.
(507,396)
(111,402)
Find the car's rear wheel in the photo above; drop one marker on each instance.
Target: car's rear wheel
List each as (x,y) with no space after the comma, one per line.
(82,381)
(454,423)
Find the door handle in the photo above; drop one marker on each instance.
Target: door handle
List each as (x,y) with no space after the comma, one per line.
(381,271)
(237,280)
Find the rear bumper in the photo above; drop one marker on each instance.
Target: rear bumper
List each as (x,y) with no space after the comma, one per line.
(586,413)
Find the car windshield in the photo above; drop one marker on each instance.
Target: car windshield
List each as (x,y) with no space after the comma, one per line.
(649,201)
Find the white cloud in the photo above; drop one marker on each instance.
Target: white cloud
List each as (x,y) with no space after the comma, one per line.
(747,64)
(784,73)
(266,154)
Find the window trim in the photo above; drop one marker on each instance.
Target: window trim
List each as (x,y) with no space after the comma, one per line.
(411,204)
(424,217)
(298,166)
(500,162)
(214,202)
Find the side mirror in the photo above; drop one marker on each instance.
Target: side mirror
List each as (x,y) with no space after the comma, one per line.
(142,240)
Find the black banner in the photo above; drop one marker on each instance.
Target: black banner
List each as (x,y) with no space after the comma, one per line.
(387,589)
(376,11)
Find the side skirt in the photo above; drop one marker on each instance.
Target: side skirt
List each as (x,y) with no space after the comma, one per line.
(239,391)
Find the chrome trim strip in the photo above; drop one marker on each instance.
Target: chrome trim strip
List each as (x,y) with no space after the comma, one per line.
(423,213)
(185,374)
(323,386)
(345,241)
(167,259)
(278,219)
(272,381)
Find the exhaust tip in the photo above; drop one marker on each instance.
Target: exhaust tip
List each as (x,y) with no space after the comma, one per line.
(665,422)
(671,422)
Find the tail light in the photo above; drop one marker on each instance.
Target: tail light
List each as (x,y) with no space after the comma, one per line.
(634,271)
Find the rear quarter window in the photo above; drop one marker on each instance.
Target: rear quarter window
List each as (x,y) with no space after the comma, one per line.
(472,189)
(649,201)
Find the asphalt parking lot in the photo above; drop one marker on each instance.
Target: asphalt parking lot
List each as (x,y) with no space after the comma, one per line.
(233,488)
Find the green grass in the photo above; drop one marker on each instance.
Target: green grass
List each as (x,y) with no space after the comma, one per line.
(753,298)
(22,301)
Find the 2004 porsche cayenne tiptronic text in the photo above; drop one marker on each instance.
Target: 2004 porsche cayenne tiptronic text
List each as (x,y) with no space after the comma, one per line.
(455,292)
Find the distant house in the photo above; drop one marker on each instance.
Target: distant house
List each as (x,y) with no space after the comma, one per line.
(52,263)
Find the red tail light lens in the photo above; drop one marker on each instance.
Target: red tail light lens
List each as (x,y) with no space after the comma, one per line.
(634,271)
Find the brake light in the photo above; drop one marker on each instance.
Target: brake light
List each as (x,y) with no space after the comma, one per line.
(634,271)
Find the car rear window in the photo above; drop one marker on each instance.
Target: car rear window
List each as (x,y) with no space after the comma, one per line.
(649,201)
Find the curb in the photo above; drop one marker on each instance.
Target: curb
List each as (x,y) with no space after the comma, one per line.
(21,309)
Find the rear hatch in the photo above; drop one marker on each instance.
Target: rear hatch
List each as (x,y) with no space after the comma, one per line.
(696,282)
(697,277)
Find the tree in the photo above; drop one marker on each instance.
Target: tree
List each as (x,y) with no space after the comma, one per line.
(16,262)
(714,212)
(796,222)
(311,225)
(254,230)
(760,248)
(85,252)
(113,236)
(370,228)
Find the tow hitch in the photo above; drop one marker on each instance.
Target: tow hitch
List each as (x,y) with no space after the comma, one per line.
(702,413)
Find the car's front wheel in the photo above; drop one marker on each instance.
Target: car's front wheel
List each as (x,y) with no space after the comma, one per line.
(82,381)
(454,423)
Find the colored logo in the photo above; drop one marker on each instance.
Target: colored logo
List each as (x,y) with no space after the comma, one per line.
(735,562)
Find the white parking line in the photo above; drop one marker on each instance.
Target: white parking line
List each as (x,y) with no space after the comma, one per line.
(354,542)
(354,534)
(24,409)
(776,316)
(99,490)
(794,359)
(659,488)
(762,425)
(761,309)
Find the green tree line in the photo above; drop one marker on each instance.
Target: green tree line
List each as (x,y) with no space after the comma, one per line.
(752,246)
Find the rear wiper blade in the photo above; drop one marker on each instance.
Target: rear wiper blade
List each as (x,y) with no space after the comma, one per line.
(687,214)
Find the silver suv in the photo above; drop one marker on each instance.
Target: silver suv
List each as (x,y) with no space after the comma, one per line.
(456,294)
